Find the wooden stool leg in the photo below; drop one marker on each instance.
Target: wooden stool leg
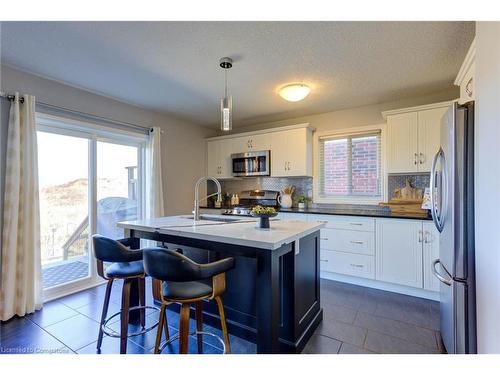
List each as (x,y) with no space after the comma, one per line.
(142,300)
(161,322)
(199,325)
(222,315)
(184,329)
(104,312)
(165,324)
(124,315)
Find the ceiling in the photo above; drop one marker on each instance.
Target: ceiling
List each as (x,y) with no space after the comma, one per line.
(172,67)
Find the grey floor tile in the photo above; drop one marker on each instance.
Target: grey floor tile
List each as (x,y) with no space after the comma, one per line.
(80,299)
(417,314)
(76,332)
(94,311)
(381,343)
(111,345)
(52,312)
(22,336)
(319,344)
(351,349)
(405,331)
(337,312)
(341,331)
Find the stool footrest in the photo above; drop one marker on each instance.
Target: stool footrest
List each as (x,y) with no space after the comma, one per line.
(192,334)
(109,332)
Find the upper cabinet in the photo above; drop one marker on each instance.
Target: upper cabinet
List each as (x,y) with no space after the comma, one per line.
(413,137)
(466,76)
(291,151)
(219,162)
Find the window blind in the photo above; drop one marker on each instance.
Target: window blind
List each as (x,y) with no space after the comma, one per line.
(350,165)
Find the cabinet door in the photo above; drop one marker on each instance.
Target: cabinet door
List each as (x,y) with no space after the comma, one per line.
(279,154)
(213,167)
(431,253)
(260,142)
(399,251)
(402,143)
(298,154)
(226,147)
(240,144)
(429,124)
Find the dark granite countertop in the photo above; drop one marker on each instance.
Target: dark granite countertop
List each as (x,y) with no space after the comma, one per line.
(371,212)
(346,210)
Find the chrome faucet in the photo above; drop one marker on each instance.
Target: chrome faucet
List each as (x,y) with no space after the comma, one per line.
(196,211)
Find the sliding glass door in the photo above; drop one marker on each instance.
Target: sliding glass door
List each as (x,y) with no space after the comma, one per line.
(63,172)
(89,181)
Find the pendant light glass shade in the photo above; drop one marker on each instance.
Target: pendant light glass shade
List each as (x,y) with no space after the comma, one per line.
(226,113)
(226,103)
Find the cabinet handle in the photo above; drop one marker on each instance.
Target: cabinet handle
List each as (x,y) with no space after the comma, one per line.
(420,239)
(359,224)
(426,237)
(323,260)
(415,157)
(358,242)
(324,239)
(289,165)
(323,221)
(357,265)
(421,159)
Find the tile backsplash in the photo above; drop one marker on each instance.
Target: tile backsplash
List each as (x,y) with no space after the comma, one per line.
(304,185)
(396,181)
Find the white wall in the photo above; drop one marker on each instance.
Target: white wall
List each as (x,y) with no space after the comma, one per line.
(487,185)
(356,116)
(183,146)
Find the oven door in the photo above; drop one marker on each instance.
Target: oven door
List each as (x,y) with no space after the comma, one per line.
(251,164)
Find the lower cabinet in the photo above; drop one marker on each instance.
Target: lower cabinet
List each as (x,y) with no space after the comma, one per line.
(431,253)
(348,263)
(399,251)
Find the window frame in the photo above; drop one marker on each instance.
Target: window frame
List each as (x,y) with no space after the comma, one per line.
(318,197)
(93,133)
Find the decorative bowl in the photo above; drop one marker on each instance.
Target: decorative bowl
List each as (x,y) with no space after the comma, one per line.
(264,219)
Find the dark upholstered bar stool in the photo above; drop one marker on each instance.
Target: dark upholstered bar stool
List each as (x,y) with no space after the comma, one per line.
(126,265)
(183,283)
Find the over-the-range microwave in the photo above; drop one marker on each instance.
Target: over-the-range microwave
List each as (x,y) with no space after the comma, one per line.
(255,163)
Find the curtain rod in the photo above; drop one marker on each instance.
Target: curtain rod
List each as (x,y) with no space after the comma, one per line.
(11,97)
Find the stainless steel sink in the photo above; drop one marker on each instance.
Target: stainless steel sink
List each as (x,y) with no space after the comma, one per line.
(217,218)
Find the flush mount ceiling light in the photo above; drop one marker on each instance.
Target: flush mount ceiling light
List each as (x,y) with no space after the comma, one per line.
(226,103)
(294,92)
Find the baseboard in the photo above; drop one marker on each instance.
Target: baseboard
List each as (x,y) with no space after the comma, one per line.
(401,289)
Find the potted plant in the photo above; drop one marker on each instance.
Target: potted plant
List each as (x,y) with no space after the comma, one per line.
(302,201)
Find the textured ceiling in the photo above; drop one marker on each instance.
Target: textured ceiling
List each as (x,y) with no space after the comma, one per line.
(173,67)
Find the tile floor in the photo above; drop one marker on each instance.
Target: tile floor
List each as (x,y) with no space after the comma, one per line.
(356,320)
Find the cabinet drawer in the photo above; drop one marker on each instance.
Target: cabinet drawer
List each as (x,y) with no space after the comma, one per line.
(346,222)
(349,241)
(348,264)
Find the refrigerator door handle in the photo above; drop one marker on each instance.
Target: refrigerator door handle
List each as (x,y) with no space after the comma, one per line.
(433,192)
(436,273)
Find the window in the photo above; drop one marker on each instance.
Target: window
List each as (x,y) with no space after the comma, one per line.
(350,167)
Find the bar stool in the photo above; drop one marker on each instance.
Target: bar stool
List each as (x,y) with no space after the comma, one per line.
(182,283)
(126,265)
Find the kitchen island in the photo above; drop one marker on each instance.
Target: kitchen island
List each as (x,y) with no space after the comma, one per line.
(273,293)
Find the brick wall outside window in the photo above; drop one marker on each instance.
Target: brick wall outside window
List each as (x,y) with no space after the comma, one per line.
(351,166)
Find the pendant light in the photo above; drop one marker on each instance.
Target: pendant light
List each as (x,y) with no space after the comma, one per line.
(226,103)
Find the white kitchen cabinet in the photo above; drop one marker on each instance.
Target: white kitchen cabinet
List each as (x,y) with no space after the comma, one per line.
(430,253)
(256,142)
(429,136)
(402,142)
(348,241)
(219,158)
(347,264)
(413,137)
(291,153)
(399,251)
(466,76)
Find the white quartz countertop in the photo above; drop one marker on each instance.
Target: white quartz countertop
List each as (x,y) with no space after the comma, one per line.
(240,232)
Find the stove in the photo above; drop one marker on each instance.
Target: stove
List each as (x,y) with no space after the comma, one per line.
(252,198)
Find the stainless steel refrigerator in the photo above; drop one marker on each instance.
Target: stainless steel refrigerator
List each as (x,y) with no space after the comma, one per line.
(452,208)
